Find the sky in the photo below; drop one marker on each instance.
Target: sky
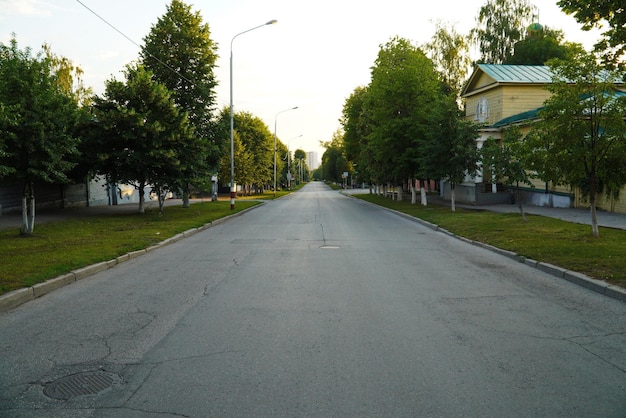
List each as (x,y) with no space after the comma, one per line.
(313,57)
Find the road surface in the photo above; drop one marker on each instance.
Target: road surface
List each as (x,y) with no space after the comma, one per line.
(316,305)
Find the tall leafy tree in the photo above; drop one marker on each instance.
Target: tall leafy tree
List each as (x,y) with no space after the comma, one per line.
(138,134)
(501,24)
(507,160)
(181,55)
(581,139)
(403,87)
(37,121)
(449,151)
(449,51)
(540,45)
(597,13)
(356,130)
(254,156)
(334,162)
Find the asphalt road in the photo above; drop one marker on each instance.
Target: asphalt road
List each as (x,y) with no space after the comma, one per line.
(316,305)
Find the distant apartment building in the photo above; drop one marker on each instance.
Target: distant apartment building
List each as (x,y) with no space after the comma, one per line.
(312,160)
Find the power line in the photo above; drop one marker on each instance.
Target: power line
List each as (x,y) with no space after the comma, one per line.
(135,43)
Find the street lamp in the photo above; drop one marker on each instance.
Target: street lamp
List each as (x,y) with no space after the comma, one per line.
(288,156)
(275,123)
(233,190)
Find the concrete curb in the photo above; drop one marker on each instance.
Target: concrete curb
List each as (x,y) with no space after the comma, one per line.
(18,297)
(580,279)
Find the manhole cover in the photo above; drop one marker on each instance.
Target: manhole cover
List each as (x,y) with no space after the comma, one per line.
(81,384)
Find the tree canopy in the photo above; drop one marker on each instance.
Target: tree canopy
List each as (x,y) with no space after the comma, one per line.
(449,52)
(38,117)
(254,144)
(140,134)
(580,139)
(597,13)
(181,55)
(449,151)
(500,25)
(540,45)
(507,160)
(403,87)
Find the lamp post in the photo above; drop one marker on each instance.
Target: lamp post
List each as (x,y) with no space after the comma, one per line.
(233,190)
(275,124)
(288,156)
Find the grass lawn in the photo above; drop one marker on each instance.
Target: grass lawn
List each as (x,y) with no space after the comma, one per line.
(549,240)
(59,247)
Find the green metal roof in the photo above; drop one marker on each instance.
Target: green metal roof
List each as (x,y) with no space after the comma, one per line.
(540,74)
(520,117)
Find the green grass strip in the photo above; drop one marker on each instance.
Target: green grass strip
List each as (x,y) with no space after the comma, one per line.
(57,248)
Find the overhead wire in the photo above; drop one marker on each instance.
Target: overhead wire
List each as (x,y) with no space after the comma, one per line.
(135,43)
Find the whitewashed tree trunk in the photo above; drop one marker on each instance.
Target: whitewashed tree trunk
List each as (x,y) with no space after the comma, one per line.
(424,200)
(594,220)
(453,197)
(142,199)
(413,192)
(400,196)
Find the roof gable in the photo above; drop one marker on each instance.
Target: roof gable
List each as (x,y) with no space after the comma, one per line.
(499,74)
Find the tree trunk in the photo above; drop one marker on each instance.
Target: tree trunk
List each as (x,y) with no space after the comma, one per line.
(160,200)
(28,209)
(142,199)
(413,192)
(594,216)
(400,197)
(453,197)
(185,197)
(423,194)
(592,202)
(520,204)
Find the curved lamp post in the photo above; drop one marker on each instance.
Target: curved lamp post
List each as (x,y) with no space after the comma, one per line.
(233,190)
(275,123)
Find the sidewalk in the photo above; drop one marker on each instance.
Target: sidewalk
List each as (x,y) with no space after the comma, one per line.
(576,215)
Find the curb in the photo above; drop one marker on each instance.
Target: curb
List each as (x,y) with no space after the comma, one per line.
(18,297)
(580,279)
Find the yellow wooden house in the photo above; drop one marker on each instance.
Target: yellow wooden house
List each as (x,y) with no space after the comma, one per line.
(500,96)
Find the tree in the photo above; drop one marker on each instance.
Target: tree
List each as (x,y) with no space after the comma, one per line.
(449,152)
(138,134)
(449,51)
(356,131)
(334,162)
(501,23)
(403,87)
(594,14)
(540,45)
(299,158)
(254,147)
(508,161)
(181,55)
(581,138)
(37,121)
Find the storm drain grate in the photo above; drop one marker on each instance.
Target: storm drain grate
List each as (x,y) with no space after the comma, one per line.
(81,384)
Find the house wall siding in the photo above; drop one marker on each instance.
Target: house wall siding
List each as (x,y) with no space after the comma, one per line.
(519,99)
